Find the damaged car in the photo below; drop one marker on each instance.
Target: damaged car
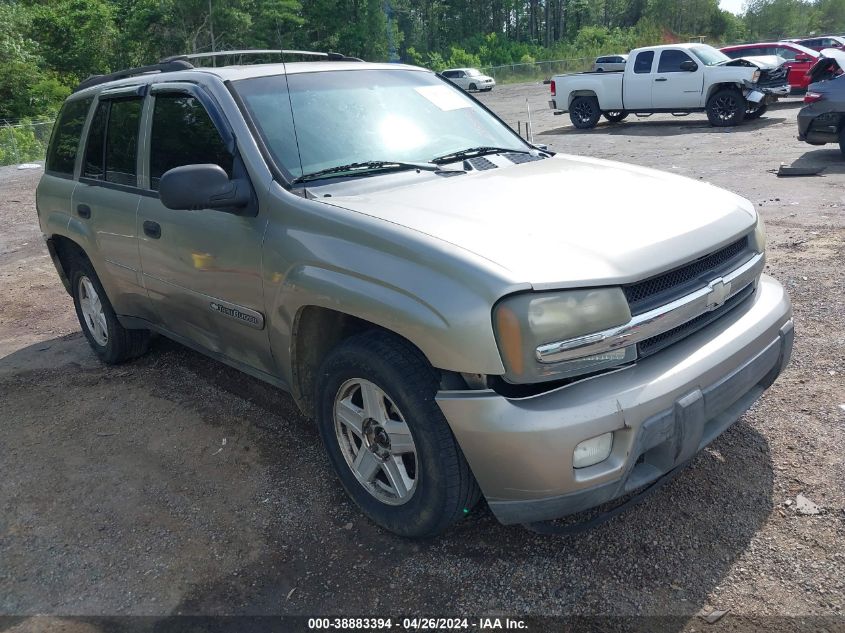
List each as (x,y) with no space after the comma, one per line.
(676,79)
(822,119)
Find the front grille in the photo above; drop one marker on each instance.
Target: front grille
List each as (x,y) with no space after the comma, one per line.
(674,284)
(774,77)
(665,339)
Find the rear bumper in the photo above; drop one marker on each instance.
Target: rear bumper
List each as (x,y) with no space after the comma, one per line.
(818,128)
(662,411)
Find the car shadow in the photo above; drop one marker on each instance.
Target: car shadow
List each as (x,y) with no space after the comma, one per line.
(693,124)
(828,160)
(320,556)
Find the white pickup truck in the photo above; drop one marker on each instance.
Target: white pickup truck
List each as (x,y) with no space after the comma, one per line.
(675,78)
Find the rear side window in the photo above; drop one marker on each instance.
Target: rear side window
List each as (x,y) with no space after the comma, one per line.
(644,62)
(64,143)
(183,134)
(111,153)
(671,60)
(786,53)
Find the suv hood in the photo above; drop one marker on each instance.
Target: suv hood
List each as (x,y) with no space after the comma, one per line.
(563,221)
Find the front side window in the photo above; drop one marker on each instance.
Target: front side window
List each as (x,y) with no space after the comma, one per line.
(111,152)
(643,63)
(320,120)
(671,60)
(61,155)
(183,134)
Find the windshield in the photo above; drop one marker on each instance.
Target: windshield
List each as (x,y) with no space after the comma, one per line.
(473,72)
(313,121)
(709,56)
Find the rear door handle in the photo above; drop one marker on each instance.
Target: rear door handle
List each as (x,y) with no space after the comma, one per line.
(661,79)
(83,211)
(152,229)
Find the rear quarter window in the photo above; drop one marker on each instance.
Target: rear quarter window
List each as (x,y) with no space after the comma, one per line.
(64,143)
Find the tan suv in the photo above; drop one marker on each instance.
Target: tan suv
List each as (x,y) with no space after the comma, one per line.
(461,312)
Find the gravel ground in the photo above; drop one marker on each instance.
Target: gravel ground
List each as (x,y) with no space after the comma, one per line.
(175,485)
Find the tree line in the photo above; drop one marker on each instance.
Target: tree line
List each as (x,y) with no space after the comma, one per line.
(47,46)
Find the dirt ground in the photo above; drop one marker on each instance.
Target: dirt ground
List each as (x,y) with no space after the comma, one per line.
(175,485)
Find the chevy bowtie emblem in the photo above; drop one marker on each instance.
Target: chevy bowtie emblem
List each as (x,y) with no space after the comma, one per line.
(719,291)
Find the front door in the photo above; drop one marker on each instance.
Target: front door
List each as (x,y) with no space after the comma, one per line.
(202,269)
(674,87)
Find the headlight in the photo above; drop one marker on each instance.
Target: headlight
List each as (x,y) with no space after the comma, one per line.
(525,322)
(755,77)
(758,238)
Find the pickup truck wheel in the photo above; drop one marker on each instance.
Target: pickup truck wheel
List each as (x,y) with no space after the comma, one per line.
(756,113)
(726,108)
(615,116)
(112,343)
(584,112)
(387,439)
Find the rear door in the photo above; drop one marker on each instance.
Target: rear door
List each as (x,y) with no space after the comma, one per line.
(673,87)
(202,269)
(106,199)
(637,82)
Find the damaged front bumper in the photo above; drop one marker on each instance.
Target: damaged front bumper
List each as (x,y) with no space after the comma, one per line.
(661,412)
(757,93)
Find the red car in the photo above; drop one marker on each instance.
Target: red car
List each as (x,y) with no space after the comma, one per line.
(823,42)
(799,59)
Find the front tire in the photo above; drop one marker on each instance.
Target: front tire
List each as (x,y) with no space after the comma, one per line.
(584,112)
(842,141)
(473,87)
(615,116)
(386,438)
(112,343)
(726,108)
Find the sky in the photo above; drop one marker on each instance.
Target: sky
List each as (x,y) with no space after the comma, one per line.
(734,6)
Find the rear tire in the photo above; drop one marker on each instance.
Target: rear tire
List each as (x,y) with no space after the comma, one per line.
(111,342)
(615,116)
(434,486)
(726,108)
(584,112)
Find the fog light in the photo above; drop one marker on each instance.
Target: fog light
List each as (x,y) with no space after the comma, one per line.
(592,451)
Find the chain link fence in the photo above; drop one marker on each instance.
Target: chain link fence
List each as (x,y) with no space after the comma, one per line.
(24,141)
(537,71)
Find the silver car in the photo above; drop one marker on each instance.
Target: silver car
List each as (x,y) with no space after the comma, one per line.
(461,313)
(610,63)
(470,79)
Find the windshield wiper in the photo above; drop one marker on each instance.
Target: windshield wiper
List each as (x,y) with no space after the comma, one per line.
(476,151)
(364,168)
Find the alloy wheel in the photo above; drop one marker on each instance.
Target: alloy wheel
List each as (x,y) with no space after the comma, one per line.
(93,312)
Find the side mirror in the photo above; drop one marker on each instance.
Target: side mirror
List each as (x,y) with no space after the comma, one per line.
(202,187)
(689,66)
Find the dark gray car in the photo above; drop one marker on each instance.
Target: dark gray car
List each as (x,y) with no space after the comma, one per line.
(822,119)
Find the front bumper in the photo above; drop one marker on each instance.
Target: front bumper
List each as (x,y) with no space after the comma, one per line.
(662,411)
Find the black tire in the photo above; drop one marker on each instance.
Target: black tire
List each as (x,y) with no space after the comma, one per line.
(726,108)
(599,70)
(584,112)
(842,141)
(444,489)
(615,116)
(473,87)
(756,113)
(121,344)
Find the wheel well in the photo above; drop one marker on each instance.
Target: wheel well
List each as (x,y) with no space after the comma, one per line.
(580,93)
(716,87)
(316,332)
(66,251)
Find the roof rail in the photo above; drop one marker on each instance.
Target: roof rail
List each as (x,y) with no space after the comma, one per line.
(330,56)
(165,66)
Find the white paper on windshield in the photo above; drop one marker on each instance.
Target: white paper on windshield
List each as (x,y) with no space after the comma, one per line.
(444,97)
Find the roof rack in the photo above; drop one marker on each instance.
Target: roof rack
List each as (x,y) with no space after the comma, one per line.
(330,56)
(165,66)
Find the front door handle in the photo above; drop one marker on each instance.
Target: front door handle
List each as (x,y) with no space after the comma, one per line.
(661,79)
(152,229)
(83,211)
